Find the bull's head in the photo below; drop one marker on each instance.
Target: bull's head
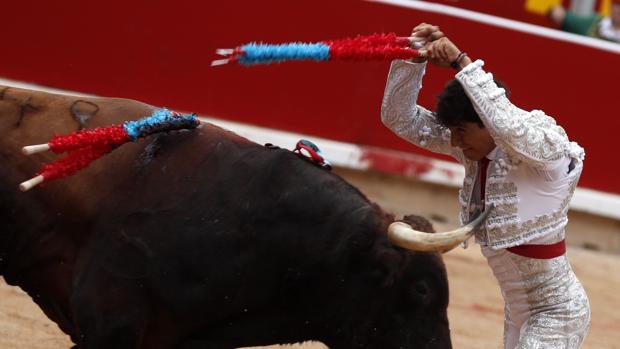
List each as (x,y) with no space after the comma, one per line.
(401,234)
(404,301)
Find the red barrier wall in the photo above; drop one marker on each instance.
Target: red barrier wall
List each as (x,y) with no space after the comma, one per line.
(160,53)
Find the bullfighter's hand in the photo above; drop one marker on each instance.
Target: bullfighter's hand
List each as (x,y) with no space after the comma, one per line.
(443,52)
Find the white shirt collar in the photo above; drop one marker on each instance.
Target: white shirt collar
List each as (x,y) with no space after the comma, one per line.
(493,154)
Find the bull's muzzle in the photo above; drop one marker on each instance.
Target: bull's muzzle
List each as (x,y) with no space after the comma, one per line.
(401,234)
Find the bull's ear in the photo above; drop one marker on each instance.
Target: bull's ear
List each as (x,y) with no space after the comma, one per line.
(418,223)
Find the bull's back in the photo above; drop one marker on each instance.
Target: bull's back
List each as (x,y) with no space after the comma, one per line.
(206,207)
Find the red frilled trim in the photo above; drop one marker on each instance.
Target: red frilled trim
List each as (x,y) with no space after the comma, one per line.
(103,136)
(376,46)
(75,161)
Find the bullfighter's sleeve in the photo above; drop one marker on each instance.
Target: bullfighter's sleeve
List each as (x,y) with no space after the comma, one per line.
(401,113)
(531,137)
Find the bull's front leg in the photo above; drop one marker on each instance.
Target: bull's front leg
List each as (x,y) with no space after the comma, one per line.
(110,301)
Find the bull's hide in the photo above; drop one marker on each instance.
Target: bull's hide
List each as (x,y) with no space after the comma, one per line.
(203,239)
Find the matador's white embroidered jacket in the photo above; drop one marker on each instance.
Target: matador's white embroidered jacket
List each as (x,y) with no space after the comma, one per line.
(533,171)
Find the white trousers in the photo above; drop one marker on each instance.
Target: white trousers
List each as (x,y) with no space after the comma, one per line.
(545,304)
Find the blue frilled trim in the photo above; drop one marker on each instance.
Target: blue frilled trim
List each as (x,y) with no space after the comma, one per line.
(161,120)
(260,53)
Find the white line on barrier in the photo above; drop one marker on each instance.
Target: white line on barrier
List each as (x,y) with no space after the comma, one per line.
(443,172)
(352,156)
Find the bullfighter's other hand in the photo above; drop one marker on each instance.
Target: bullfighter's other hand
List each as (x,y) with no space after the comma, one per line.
(426,33)
(421,36)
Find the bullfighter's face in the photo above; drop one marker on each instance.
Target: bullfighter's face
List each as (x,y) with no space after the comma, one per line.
(475,141)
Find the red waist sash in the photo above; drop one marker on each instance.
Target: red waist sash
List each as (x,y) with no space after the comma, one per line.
(540,251)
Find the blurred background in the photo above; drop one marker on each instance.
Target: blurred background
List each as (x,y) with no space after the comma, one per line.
(159,52)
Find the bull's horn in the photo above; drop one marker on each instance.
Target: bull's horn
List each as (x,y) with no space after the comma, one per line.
(401,234)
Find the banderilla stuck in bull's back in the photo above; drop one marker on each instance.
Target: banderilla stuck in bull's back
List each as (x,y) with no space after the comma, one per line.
(85,146)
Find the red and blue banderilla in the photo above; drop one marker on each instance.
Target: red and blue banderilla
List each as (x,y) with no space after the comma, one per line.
(85,146)
(368,47)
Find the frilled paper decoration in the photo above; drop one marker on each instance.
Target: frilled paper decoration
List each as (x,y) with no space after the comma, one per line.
(369,47)
(85,146)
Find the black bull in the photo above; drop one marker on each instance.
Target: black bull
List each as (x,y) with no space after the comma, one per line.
(203,239)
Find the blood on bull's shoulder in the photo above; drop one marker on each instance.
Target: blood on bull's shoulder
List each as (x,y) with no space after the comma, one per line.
(205,239)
